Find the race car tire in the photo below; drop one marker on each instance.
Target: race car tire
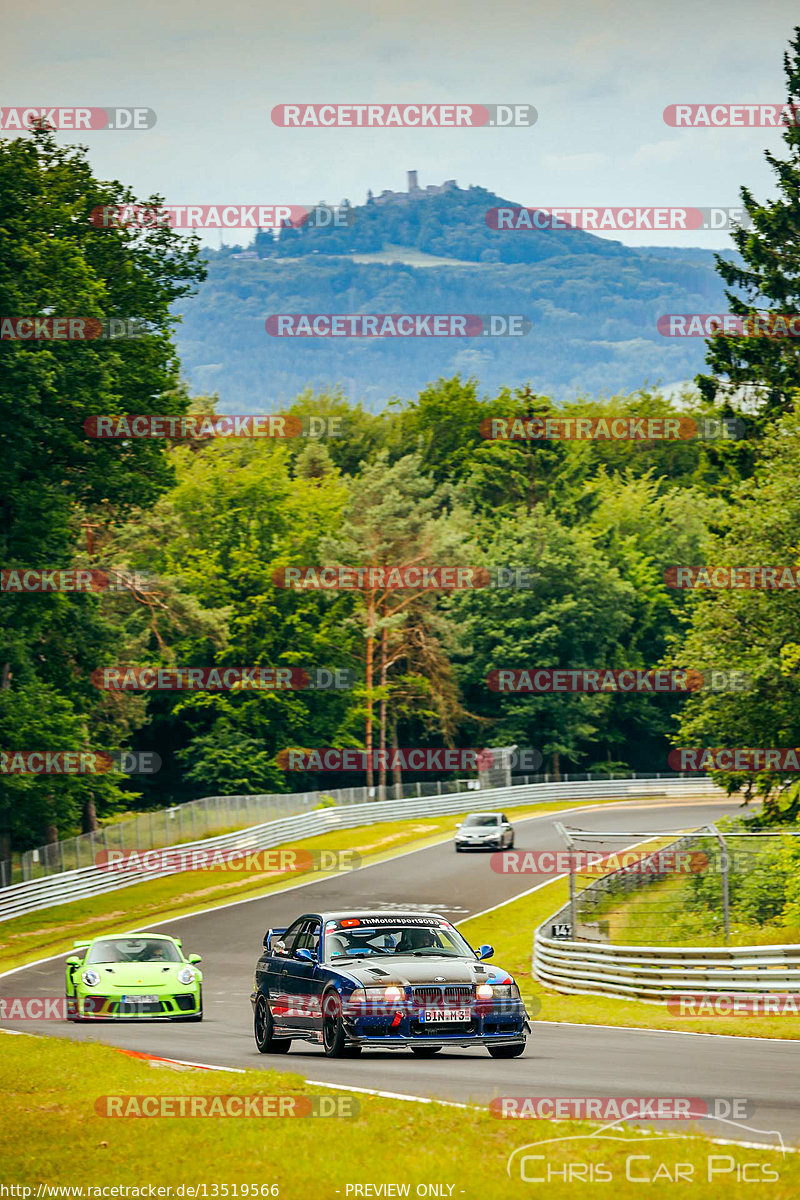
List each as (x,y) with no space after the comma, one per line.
(426,1051)
(263,1027)
(512,1051)
(333,1035)
(511,844)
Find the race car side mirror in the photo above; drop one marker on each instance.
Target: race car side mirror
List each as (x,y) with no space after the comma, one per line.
(485,951)
(195,958)
(304,955)
(73,961)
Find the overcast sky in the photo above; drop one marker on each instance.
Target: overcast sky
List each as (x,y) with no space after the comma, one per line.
(599,74)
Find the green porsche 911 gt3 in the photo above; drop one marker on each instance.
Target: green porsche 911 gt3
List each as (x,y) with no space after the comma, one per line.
(133,975)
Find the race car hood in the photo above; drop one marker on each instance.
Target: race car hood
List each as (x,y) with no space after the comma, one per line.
(127,975)
(402,971)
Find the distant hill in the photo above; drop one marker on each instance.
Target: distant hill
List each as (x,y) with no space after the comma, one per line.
(593,304)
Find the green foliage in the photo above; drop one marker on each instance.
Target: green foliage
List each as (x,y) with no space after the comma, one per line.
(767,280)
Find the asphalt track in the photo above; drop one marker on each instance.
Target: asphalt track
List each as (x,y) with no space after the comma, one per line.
(561,1060)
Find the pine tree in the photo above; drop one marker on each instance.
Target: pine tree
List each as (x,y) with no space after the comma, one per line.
(768,366)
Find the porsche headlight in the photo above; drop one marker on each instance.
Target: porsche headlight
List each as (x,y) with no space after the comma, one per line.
(90,978)
(186,975)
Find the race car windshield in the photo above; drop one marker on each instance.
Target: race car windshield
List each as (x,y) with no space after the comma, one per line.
(133,950)
(366,941)
(482,819)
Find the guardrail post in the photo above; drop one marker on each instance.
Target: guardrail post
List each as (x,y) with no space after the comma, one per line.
(724,864)
(573,915)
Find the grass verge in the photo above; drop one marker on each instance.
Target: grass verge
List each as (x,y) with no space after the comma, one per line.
(510,930)
(55,1136)
(39,934)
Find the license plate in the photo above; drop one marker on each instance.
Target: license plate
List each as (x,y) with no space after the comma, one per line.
(133,1000)
(446,1014)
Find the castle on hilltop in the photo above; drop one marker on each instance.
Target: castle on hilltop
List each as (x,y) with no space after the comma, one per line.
(415,192)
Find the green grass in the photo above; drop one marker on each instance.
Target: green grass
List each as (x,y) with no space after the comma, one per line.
(39,934)
(54,1135)
(659,915)
(510,930)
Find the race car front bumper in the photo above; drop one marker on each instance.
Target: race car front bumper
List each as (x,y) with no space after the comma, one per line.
(488,1026)
(172,1007)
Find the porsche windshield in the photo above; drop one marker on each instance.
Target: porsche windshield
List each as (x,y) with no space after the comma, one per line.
(133,950)
(372,941)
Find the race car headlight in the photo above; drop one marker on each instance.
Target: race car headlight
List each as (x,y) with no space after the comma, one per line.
(186,975)
(393,994)
(90,978)
(497,991)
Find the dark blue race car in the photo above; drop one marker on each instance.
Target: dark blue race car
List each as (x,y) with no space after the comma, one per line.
(387,980)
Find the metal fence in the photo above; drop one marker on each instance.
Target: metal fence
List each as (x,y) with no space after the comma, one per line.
(211,815)
(582,960)
(94,880)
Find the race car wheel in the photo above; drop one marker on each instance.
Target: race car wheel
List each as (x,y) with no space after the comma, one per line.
(512,1051)
(425,1051)
(263,1027)
(333,1039)
(511,844)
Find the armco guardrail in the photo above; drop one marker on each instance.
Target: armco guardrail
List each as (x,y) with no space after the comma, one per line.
(36,894)
(657,973)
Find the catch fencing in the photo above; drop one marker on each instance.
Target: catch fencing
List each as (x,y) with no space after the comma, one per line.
(572,952)
(94,880)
